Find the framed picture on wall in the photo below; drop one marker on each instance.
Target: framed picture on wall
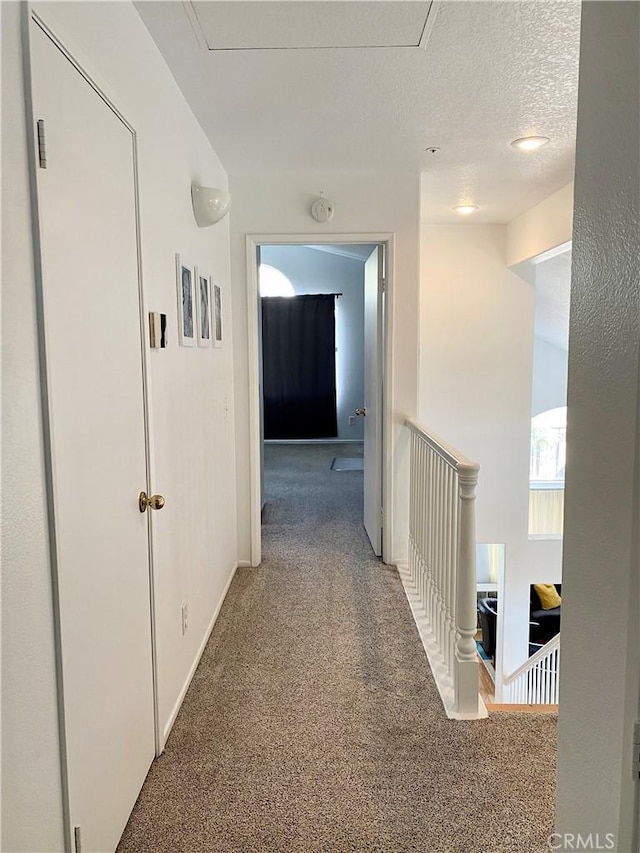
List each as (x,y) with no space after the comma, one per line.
(203,308)
(186,302)
(217,314)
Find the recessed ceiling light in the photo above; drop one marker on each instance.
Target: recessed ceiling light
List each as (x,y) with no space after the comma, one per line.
(465,209)
(530,143)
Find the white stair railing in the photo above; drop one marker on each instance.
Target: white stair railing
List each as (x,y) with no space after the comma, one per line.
(442,555)
(537,680)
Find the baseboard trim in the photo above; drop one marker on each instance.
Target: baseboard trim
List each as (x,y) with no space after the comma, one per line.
(194,666)
(436,661)
(244,564)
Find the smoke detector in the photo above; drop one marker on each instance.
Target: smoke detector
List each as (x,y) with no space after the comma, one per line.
(322,209)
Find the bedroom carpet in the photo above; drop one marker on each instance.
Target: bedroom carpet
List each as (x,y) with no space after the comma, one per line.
(313,723)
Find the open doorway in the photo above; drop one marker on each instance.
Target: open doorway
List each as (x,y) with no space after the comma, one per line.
(549,396)
(548,442)
(312,324)
(529,594)
(319,350)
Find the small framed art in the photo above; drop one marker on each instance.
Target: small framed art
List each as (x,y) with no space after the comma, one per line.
(186,302)
(203,306)
(217,314)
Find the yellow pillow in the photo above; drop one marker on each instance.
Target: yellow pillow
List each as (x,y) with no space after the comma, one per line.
(548,595)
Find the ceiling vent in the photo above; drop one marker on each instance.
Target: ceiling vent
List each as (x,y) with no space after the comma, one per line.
(310,24)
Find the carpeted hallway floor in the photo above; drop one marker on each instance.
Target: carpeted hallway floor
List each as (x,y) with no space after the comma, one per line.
(313,722)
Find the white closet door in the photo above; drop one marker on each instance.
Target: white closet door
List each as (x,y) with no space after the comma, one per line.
(87,216)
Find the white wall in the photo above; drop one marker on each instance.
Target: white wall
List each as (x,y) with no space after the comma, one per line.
(542,228)
(272,204)
(475,386)
(31,787)
(549,376)
(601,680)
(312,271)
(192,424)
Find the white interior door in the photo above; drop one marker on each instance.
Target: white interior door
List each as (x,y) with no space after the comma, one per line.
(373,349)
(87,215)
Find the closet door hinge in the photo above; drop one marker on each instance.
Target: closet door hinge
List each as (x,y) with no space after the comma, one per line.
(636,751)
(42,148)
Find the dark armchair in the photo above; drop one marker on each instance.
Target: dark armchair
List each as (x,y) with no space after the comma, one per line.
(488,614)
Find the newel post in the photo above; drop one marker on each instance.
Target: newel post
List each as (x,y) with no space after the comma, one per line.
(466,675)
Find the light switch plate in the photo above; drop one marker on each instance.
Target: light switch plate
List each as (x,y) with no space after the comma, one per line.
(157,330)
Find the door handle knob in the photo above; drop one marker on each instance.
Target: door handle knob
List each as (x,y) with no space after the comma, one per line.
(361,412)
(151,501)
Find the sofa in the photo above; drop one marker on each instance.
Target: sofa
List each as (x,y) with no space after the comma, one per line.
(543,624)
(488,616)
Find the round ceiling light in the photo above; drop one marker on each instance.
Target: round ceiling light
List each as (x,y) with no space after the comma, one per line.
(465,209)
(530,143)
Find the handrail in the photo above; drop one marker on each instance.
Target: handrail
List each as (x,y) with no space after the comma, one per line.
(442,555)
(550,646)
(442,447)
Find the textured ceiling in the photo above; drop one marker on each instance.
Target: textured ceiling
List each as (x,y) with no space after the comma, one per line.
(489,72)
(357,251)
(553,288)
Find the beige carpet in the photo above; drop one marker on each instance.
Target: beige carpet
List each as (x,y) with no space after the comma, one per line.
(313,722)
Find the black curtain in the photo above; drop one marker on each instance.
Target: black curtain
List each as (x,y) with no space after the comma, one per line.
(299,366)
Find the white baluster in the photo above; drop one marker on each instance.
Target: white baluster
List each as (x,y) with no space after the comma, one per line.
(420,519)
(442,556)
(455,505)
(446,500)
(438,543)
(424,592)
(441,605)
(466,655)
(412,504)
(429,529)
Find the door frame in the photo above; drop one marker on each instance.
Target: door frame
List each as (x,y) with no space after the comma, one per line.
(32,18)
(253,243)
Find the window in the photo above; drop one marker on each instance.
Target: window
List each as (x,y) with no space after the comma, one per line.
(546,473)
(272,282)
(548,448)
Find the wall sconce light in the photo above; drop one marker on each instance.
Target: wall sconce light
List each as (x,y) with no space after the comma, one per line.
(209,204)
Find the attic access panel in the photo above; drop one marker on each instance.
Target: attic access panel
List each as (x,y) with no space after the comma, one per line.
(308,24)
